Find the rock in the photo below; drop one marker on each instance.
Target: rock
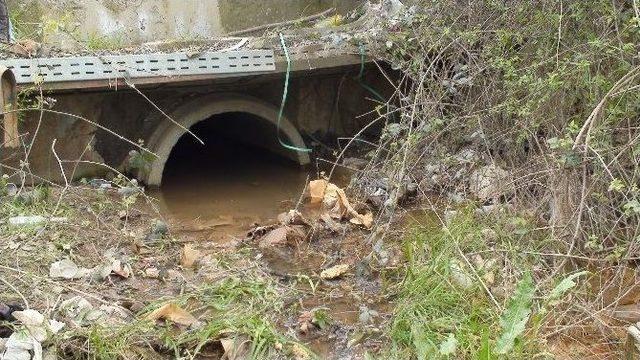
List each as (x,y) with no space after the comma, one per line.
(100,184)
(276,237)
(11,189)
(334,272)
(366,316)
(6,315)
(152,273)
(284,235)
(449,215)
(490,182)
(467,156)
(355,163)
(34,220)
(159,228)
(459,276)
(331,224)
(292,217)
(79,312)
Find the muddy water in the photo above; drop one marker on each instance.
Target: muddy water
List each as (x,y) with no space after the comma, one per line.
(220,190)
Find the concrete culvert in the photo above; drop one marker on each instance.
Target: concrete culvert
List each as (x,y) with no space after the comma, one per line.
(242,119)
(241,170)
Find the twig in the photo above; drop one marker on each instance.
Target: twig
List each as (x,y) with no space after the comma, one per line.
(283,23)
(24,300)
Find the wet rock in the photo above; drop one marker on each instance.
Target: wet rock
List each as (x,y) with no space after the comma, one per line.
(282,236)
(292,217)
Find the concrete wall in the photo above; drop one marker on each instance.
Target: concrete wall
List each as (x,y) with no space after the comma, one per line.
(123,22)
(321,107)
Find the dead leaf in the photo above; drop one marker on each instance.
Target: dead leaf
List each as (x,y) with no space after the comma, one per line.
(237,348)
(345,209)
(364,220)
(305,322)
(334,272)
(174,313)
(189,257)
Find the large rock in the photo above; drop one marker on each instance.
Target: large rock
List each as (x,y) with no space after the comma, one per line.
(490,182)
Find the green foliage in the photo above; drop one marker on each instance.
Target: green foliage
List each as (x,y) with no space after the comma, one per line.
(94,41)
(515,317)
(564,286)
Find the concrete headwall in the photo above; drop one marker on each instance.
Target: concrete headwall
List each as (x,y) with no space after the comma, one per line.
(125,22)
(320,107)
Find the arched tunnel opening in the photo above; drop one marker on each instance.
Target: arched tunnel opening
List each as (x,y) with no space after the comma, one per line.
(240,175)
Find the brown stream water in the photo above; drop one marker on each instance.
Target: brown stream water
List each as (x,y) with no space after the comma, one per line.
(225,187)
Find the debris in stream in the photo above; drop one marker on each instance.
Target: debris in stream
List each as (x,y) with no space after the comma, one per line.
(292,217)
(67,269)
(335,202)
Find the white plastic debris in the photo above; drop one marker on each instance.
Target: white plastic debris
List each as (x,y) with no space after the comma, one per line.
(67,269)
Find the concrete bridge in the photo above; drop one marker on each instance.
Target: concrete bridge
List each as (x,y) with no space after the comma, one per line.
(325,101)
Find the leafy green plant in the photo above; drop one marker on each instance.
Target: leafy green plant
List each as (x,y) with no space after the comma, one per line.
(516,315)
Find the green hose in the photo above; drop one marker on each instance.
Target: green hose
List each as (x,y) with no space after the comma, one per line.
(284,100)
(361,76)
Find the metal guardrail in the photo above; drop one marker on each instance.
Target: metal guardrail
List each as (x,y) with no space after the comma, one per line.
(87,68)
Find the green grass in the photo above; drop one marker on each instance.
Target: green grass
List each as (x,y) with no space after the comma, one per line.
(97,42)
(239,306)
(434,313)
